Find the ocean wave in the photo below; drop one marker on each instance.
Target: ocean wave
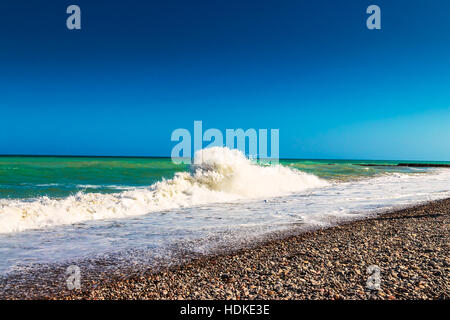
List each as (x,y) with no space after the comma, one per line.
(217,175)
(105,186)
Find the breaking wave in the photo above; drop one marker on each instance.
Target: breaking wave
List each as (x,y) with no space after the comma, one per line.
(217,175)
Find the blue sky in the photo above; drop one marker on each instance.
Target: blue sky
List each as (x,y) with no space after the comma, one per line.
(137,70)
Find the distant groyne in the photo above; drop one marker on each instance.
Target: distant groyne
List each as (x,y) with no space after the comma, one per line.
(416,165)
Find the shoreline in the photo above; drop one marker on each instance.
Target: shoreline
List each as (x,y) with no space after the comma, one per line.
(410,246)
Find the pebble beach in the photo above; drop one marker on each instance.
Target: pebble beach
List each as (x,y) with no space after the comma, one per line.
(410,247)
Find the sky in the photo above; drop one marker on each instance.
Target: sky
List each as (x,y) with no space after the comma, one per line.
(138,70)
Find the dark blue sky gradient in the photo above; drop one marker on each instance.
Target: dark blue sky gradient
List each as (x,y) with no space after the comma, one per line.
(140,69)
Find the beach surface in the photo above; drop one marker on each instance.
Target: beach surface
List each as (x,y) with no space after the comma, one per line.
(410,247)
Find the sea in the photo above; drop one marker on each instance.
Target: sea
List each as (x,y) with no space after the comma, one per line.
(151,211)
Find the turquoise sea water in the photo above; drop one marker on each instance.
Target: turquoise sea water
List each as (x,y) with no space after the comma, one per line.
(56,177)
(29,177)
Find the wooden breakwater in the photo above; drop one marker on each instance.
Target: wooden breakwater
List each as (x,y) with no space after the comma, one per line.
(415,165)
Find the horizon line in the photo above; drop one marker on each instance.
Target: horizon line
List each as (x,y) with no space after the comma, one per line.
(167,157)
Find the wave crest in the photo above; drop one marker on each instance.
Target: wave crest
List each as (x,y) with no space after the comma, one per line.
(217,175)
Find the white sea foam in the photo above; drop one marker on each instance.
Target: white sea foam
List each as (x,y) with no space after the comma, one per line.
(217,175)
